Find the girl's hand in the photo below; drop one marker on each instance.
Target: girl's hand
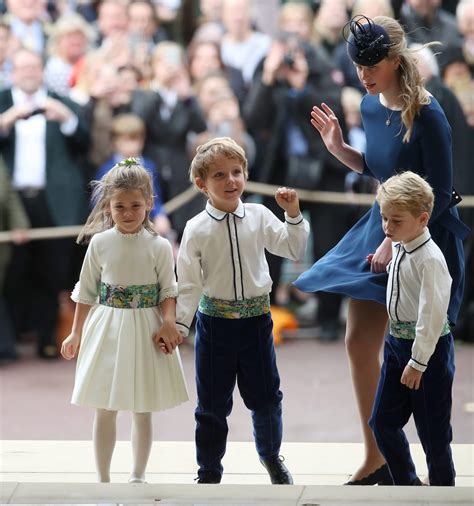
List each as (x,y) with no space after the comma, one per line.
(70,346)
(327,124)
(382,256)
(288,200)
(168,337)
(411,378)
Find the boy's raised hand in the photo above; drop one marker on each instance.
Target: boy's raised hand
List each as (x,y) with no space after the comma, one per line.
(288,200)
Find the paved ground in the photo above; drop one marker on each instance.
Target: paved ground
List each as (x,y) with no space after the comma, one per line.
(318,400)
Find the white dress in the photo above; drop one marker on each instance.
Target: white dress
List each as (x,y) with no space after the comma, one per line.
(119,366)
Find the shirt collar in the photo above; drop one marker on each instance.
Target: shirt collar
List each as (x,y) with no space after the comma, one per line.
(168,95)
(416,243)
(219,215)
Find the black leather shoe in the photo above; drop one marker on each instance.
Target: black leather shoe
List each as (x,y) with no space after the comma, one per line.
(208,478)
(379,477)
(279,474)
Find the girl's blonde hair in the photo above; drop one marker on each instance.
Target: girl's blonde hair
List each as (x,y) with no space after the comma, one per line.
(125,175)
(412,92)
(207,152)
(407,191)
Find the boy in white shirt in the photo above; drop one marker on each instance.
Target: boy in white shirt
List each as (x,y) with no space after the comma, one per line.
(222,272)
(418,369)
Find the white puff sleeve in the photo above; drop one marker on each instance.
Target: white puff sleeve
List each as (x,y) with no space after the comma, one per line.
(86,290)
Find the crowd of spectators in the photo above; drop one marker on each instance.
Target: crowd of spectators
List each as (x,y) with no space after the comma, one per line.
(85,82)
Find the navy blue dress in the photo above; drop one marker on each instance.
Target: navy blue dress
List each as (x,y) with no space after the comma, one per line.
(344,269)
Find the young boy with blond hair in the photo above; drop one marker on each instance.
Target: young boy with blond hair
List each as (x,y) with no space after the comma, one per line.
(418,369)
(223,273)
(128,133)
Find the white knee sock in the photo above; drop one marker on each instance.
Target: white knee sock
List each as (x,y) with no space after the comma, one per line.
(142,439)
(104,437)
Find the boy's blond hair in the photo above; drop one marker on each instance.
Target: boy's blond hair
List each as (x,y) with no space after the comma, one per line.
(207,152)
(128,124)
(407,191)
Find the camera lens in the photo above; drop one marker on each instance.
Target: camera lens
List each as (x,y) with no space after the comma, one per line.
(288,60)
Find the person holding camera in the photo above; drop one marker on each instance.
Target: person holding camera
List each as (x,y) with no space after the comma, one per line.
(293,76)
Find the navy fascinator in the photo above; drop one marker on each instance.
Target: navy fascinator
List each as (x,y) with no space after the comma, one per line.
(367,43)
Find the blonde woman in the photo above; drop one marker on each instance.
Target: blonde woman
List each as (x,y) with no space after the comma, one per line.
(70,39)
(406,129)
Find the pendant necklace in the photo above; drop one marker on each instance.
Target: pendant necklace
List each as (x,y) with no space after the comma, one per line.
(389,116)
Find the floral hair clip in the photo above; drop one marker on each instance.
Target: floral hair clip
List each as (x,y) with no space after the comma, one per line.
(129,162)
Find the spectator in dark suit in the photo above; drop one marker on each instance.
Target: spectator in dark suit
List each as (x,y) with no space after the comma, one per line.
(171,115)
(41,137)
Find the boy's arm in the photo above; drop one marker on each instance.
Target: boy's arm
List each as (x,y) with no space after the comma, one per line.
(190,282)
(286,239)
(432,310)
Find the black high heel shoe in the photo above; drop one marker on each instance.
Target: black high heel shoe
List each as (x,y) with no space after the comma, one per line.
(381,476)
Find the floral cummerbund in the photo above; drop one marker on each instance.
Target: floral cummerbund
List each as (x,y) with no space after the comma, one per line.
(407,330)
(129,296)
(234,309)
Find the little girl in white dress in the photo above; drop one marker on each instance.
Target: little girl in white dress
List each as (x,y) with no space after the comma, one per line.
(125,317)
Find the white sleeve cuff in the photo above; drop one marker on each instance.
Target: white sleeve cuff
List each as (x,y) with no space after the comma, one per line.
(183,330)
(416,365)
(69,126)
(294,221)
(76,296)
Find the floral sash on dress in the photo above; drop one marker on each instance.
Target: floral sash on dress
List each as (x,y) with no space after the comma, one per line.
(129,296)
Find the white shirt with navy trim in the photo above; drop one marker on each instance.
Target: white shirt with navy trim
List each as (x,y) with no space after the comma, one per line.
(222,255)
(418,290)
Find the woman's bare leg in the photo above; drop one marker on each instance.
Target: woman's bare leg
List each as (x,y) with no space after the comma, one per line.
(104,437)
(142,439)
(365,332)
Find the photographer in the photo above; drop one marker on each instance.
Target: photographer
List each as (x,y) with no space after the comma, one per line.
(295,76)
